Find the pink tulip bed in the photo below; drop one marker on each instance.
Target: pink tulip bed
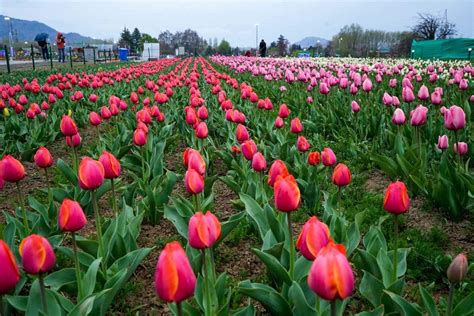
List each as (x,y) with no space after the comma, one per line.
(238,186)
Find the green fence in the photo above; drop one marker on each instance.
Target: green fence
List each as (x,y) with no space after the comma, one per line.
(456,48)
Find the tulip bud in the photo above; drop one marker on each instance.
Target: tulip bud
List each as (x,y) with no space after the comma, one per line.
(193,181)
(278,168)
(457,270)
(192,159)
(94,119)
(423,93)
(37,255)
(460,148)
(295,126)
(71,217)
(302,144)
(174,277)
(111,165)
(73,141)
(139,137)
(241,133)
(279,123)
(201,130)
(11,169)
(204,230)
(443,142)
(398,117)
(328,157)
(396,199)
(91,174)
(249,148)
(341,175)
(331,275)
(68,127)
(314,158)
(355,107)
(43,158)
(286,194)
(454,118)
(313,237)
(258,162)
(283,112)
(9,268)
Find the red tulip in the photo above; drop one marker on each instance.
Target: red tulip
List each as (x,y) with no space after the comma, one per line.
(193,181)
(191,117)
(283,112)
(279,123)
(286,194)
(328,157)
(204,230)
(258,162)
(302,144)
(331,275)
(94,119)
(37,254)
(174,277)
(105,113)
(341,175)
(11,169)
(313,237)
(139,137)
(192,159)
(111,165)
(241,133)
(249,148)
(396,199)
(134,98)
(71,217)
(68,127)
(295,126)
(43,158)
(201,130)
(278,168)
(314,158)
(202,113)
(9,268)
(91,174)
(73,141)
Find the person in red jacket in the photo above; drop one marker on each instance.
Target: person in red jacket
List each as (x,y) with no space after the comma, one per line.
(60,43)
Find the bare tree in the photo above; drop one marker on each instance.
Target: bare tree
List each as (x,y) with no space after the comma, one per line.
(432,27)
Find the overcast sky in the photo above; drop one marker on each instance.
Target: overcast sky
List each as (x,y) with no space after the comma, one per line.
(235,20)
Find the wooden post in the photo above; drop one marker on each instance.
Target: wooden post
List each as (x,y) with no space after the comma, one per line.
(7,56)
(70,56)
(84,55)
(50,56)
(33,56)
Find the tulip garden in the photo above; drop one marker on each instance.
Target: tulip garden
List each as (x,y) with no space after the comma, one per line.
(238,186)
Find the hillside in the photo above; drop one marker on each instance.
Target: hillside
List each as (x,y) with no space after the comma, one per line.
(25,30)
(312,41)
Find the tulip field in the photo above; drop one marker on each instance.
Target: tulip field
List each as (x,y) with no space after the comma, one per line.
(238,186)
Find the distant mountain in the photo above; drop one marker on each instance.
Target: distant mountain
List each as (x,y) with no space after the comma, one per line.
(24,30)
(312,41)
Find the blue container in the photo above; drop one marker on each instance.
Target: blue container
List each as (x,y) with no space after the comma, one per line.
(123,54)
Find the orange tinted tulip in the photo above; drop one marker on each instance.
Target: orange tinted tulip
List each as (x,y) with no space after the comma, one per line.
(37,255)
(286,194)
(91,174)
(396,199)
(9,268)
(204,230)
(341,175)
(71,217)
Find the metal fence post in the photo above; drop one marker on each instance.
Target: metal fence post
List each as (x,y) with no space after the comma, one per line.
(33,56)
(7,57)
(70,56)
(110,54)
(51,56)
(84,55)
(149,55)
(93,51)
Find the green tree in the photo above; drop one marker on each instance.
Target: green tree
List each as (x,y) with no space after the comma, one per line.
(224,48)
(136,37)
(147,38)
(125,38)
(282,45)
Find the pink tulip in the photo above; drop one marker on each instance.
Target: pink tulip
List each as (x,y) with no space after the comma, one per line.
(418,115)
(460,148)
(443,142)
(454,118)
(398,117)
(423,93)
(355,107)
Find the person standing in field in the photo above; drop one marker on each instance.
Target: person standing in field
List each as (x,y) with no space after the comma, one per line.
(60,43)
(263,48)
(44,49)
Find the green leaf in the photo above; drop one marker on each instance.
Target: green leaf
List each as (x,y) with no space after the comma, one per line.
(84,308)
(273,302)
(428,301)
(274,267)
(67,172)
(465,307)
(405,308)
(246,311)
(89,278)
(179,221)
(379,311)
(300,304)
(256,213)
(58,279)
(371,288)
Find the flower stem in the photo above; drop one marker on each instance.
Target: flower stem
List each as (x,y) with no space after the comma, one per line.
(143,162)
(292,248)
(22,205)
(50,196)
(179,307)
(450,298)
(80,295)
(458,155)
(395,252)
(98,226)
(3,307)
(114,201)
(74,163)
(43,293)
(333,308)
(207,286)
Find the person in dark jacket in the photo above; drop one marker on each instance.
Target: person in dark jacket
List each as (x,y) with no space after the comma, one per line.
(44,49)
(263,48)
